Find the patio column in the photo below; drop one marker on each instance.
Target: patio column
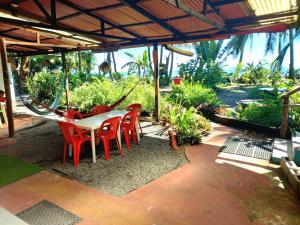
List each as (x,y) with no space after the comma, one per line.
(156,81)
(64,68)
(11,130)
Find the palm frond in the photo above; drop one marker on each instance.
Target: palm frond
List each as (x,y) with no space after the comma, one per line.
(272,39)
(277,63)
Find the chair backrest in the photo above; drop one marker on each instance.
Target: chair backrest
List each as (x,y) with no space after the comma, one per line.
(134,106)
(69,130)
(99,109)
(129,119)
(71,114)
(110,126)
(2,99)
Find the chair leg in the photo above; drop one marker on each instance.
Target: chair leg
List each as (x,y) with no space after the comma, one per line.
(127,139)
(106,148)
(65,152)
(119,147)
(141,130)
(75,152)
(134,135)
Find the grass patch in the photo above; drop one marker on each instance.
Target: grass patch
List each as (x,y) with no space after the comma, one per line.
(13,169)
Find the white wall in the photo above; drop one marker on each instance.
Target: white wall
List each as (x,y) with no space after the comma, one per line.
(13,96)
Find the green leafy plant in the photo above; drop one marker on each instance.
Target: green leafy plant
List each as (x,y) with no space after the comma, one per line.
(105,91)
(188,125)
(190,94)
(43,86)
(266,112)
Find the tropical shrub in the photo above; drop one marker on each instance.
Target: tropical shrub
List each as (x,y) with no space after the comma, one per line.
(190,94)
(267,112)
(255,74)
(189,126)
(43,86)
(101,91)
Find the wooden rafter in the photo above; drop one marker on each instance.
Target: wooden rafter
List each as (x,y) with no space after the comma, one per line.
(43,10)
(152,17)
(114,6)
(215,10)
(179,4)
(228,2)
(84,11)
(36,44)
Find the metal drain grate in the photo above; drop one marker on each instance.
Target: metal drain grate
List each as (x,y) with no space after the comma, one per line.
(46,213)
(248,147)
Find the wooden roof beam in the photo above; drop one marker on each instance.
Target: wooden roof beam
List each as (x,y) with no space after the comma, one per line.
(86,12)
(228,2)
(43,10)
(36,44)
(28,24)
(179,4)
(215,10)
(90,10)
(148,22)
(133,4)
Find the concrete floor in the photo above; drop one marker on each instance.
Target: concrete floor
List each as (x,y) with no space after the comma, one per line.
(214,189)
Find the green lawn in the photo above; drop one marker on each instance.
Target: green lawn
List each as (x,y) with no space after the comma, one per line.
(13,169)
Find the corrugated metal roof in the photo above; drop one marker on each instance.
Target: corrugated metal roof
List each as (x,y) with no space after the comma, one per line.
(132,24)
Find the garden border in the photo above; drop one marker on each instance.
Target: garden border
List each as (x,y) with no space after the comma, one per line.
(275,132)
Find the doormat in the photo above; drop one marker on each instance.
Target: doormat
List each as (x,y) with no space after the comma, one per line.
(45,213)
(261,149)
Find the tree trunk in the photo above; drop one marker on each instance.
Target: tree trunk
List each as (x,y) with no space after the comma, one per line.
(114,62)
(167,64)
(172,64)
(161,54)
(109,62)
(24,72)
(291,70)
(149,58)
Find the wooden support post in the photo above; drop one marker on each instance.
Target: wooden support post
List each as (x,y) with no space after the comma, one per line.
(64,68)
(11,129)
(156,82)
(284,120)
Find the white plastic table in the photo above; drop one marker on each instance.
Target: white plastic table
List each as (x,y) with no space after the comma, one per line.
(95,122)
(3,110)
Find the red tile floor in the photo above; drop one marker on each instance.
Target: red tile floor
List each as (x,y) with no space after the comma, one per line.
(213,189)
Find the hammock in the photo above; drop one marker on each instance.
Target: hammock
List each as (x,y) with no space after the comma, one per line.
(47,109)
(85,115)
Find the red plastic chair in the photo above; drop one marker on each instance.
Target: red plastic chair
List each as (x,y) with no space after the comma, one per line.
(72,135)
(99,109)
(109,131)
(128,127)
(136,106)
(3,99)
(71,114)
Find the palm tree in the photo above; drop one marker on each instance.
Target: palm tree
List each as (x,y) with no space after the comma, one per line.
(114,61)
(138,64)
(236,47)
(274,39)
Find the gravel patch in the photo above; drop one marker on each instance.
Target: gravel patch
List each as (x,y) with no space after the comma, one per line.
(151,159)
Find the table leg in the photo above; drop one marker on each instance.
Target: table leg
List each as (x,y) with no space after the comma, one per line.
(4,113)
(93,145)
(70,150)
(119,137)
(70,145)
